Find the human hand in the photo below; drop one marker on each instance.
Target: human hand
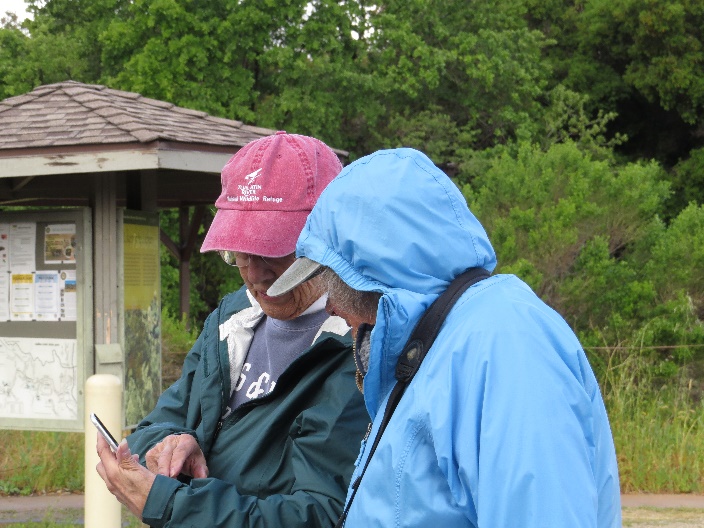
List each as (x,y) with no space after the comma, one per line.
(177,454)
(124,476)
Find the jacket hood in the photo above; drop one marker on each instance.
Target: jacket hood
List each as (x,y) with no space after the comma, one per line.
(393,222)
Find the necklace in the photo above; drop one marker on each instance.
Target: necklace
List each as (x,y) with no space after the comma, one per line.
(358,376)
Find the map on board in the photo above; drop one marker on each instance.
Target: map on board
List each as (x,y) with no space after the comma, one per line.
(38,378)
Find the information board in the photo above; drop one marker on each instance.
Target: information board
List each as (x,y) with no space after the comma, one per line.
(45,301)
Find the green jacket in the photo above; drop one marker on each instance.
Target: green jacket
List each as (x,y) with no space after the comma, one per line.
(283,460)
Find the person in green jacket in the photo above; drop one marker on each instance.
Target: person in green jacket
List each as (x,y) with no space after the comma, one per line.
(264,424)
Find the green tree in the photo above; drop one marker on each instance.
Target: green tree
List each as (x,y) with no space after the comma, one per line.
(32,54)
(532,106)
(586,234)
(315,80)
(193,54)
(548,211)
(640,58)
(477,69)
(688,181)
(677,261)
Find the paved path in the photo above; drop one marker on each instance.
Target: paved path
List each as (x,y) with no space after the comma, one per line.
(681,500)
(37,508)
(41,502)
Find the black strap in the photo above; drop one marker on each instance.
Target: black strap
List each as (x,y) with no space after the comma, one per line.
(422,338)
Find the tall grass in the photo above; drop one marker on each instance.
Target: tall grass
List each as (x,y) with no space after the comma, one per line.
(177,338)
(657,426)
(40,461)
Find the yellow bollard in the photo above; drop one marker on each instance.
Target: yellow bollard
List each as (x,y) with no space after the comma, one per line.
(103,396)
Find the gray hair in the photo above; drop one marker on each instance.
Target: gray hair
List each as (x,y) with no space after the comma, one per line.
(361,303)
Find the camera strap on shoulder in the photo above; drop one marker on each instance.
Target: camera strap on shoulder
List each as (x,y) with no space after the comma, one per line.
(422,338)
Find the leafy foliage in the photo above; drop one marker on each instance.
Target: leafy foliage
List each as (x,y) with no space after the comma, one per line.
(28,62)
(548,114)
(587,237)
(688,181)
(677,261)
(544,207)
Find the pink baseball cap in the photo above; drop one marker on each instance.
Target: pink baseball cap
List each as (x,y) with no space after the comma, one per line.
(268,188)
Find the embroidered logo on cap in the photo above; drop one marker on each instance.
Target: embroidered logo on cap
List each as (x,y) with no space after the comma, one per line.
(249,192)
(252,176)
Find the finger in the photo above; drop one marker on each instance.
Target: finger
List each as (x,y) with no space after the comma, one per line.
(103,449)
(164,460)
(101,471)
(200,471)
(196,466)
(184,450)
(106,457)
(188,458)
(152,457)
(155,453)
(100,468)
(98,441)
(123,452)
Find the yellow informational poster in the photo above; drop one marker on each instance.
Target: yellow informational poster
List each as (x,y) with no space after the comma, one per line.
(141,265)
(142,302)
(22,297)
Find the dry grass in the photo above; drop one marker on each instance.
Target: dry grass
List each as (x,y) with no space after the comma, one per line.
(657,431)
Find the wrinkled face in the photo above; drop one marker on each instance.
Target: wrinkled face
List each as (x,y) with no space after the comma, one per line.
(355,307)
(353,319)
(260,274)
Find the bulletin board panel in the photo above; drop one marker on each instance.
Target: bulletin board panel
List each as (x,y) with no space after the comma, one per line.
(141,306)
(45,318)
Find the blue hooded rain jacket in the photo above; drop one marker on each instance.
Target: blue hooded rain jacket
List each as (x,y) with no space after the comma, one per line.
(504,425)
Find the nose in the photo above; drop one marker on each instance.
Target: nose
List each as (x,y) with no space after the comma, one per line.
(329,308)
(258,271)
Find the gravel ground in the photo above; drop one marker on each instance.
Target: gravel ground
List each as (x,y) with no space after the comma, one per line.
(649,517)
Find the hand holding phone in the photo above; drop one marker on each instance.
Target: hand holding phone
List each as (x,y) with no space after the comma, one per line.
(104,431)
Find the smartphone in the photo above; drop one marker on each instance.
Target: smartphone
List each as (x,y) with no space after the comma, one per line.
(104,431)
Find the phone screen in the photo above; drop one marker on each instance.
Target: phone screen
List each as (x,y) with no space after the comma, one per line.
(104,431)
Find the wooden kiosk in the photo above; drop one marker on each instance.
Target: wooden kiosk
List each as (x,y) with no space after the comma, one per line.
(79,270)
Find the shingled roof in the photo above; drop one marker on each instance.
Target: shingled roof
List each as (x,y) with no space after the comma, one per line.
(58,139)
(71,113)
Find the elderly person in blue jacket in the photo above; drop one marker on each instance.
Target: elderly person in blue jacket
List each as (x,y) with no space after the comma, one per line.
(263,427)
(503,426)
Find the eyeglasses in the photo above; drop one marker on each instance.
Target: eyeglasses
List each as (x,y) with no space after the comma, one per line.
(242,260)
